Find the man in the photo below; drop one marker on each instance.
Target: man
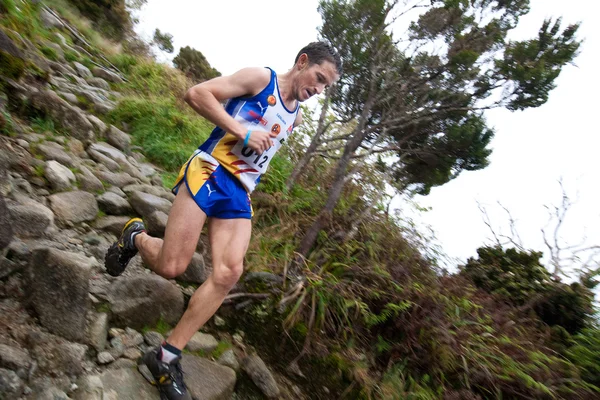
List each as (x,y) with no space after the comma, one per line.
(215,185)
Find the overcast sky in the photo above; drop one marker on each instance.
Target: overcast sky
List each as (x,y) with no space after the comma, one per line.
(531,150)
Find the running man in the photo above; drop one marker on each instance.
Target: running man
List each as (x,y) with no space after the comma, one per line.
(215,185)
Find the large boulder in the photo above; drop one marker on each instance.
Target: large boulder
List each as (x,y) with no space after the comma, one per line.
(196,272)
(60,177)
(107,75)
(88,181)
(118,138)
(114,204)
(143,300)
(55,355)
(59,291)
(156,223)
(119,180)
(30,218)
(127,384)
(208,380)
(74,207)
(70,117)
(145,203)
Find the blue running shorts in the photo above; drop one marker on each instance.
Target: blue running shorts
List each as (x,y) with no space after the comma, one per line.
(216,191)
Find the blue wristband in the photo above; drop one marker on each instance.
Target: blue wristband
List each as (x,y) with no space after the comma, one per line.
(247,138)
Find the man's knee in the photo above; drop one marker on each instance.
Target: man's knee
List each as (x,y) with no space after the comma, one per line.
(173,268)
(227,276)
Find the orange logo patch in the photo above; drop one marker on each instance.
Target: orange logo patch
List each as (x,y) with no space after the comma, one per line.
(276,128)
(271,100)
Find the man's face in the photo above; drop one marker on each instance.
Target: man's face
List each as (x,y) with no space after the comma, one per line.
(314,78)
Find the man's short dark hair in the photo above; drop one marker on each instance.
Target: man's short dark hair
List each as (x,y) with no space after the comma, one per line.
(318,52)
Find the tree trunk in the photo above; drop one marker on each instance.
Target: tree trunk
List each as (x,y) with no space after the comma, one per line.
(335,191)
(316,139)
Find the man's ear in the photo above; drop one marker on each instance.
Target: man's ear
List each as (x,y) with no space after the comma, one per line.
(302,61)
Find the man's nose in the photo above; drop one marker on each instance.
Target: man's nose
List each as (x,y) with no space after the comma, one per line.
(320,88)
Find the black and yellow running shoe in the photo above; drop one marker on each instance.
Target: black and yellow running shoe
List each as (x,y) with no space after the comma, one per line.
(123,250)
(168,377)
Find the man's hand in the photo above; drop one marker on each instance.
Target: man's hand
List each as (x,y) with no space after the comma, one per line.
(261,141)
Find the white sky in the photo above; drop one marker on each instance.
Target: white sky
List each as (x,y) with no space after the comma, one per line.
(531,150)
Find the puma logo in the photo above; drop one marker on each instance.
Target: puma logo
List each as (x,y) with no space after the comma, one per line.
(262,109)
(210,191)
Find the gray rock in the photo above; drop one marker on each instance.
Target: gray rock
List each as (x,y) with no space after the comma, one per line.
(196,271)
(14,358)
(74,207)
(59,291)
(99,125)
(105,357)
(132,353)
(70,117)
(59,176)
(218,321)
(30,219)
(118,138)
(156,191)
(145,204)
(202,342)
(117,348)
(70,97)
(114,204)
(118,191)
(153,339)
(132,338)
(55,355)
(11,385)
(116,179)
(124,363)
(82,70)
(256,369)
(6,233)
(98,82)
(142,300)
(88,181)
(51,393)
(49,20)
(103,159)
(97,331)
(90,387)
(127,384)
(117,156)
(54,151)
(229,359)
(111,224)
(78,81)
(156,223)
(208,380)
(147,170)
(157,180)
(108,75)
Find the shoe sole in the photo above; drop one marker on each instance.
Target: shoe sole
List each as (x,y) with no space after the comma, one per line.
(143,369)
(111,259)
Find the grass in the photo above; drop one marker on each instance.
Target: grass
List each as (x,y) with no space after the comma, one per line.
(167,134)
(161,327)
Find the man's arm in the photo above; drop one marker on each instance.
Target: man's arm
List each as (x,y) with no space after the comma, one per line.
(206,97)
(298,119)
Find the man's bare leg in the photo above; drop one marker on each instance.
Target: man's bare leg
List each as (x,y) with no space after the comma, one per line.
(171,256)
(229,240)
